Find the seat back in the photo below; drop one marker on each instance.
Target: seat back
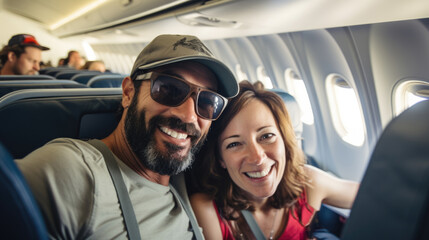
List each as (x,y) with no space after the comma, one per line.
(25,77)
(84,77)
(294,112)
(20,215)
(67,74)
(10,86)
(393,199)
(47,69)
(35,116)
(106,81)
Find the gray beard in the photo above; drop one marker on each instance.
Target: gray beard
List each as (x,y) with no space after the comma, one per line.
(142,142)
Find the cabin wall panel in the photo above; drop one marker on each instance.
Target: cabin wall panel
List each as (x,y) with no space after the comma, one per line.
(247,56)
(323,56)
(275,56)
(310,137)
(398,51)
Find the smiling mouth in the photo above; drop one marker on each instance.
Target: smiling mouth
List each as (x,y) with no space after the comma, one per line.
(259,174)
(173,134)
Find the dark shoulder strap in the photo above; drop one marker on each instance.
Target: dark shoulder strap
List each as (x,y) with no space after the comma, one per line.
(253,225)
(194,224)
(130,220)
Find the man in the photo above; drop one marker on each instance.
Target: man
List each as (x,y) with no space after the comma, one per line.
(96,65)
(176,88)
(74,60)
(21,56)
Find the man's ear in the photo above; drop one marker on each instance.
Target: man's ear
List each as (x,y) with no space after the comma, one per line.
(127,92)
(11,57)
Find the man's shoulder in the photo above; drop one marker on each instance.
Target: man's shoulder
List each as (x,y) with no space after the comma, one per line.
(63,146)
(62,152)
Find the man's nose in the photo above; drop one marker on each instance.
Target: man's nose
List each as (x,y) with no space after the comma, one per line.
(36,66)
(186,111)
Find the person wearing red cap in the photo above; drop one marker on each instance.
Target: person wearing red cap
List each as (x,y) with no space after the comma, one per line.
(21,56)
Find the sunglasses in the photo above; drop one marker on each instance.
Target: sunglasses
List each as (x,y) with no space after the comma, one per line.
(172,91)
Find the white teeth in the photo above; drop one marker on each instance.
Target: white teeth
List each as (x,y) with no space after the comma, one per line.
(260,174)
(173,133)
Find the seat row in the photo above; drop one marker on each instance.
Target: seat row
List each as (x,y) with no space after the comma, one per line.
(13,83)
(81,76)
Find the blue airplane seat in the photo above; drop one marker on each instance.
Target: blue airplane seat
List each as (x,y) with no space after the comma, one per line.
(84,77)
(294,112)
(32,117)
(106,81)
(20,214)
(47,69)
(393,198)
(11,86)
(67,74)
(25,77)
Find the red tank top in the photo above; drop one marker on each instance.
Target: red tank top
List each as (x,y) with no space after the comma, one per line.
(294,230)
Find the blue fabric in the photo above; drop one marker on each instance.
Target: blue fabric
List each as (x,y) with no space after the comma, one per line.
(323,234)
(20,215)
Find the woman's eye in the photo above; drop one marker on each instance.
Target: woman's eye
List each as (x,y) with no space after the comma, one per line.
(267,136)
(231,145)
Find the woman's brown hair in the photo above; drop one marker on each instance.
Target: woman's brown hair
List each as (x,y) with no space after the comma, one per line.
(210,178)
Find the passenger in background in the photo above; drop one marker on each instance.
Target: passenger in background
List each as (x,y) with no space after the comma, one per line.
(175,89)
(45,65)
(61,62)
(259,85)
(96,65)
(74,60)
(21,56)
(252,163)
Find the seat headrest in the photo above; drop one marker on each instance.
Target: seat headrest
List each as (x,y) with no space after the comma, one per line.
(35,116)
(393,198)
(20,215)
(294,111)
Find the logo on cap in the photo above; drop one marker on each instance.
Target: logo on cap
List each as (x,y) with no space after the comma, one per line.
(193,44)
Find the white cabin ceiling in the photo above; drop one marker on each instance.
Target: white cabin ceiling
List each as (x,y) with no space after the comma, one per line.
(46,12)
(141,20)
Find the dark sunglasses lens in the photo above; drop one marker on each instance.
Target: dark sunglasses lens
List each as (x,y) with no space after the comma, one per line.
(210,105)
(169,91)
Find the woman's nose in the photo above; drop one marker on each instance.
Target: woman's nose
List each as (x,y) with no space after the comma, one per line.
(256,153)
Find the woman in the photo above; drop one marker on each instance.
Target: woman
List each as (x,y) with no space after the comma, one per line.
(252,162)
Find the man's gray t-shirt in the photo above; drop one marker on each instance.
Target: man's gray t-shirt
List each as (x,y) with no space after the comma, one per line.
(72,185)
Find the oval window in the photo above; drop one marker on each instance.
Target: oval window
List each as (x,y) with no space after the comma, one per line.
(346,112)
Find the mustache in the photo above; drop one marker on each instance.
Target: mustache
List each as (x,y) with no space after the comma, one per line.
(176,123)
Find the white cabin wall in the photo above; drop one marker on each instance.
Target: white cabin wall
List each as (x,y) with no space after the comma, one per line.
(12,24)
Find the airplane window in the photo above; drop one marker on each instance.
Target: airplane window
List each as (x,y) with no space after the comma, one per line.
(296,88)
(89,52)
(262,76)
(240,74)
(408,93)
(345,109)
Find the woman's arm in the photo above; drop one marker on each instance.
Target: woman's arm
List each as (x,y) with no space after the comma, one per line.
(206,216)
(329,189)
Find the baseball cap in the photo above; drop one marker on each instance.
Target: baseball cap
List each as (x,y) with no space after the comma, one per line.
(25,40)
(167,49)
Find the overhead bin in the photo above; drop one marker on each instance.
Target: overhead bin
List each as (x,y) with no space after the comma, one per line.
(118,12)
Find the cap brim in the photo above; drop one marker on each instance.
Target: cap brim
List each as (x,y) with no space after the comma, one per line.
(228,85)
(43,48)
